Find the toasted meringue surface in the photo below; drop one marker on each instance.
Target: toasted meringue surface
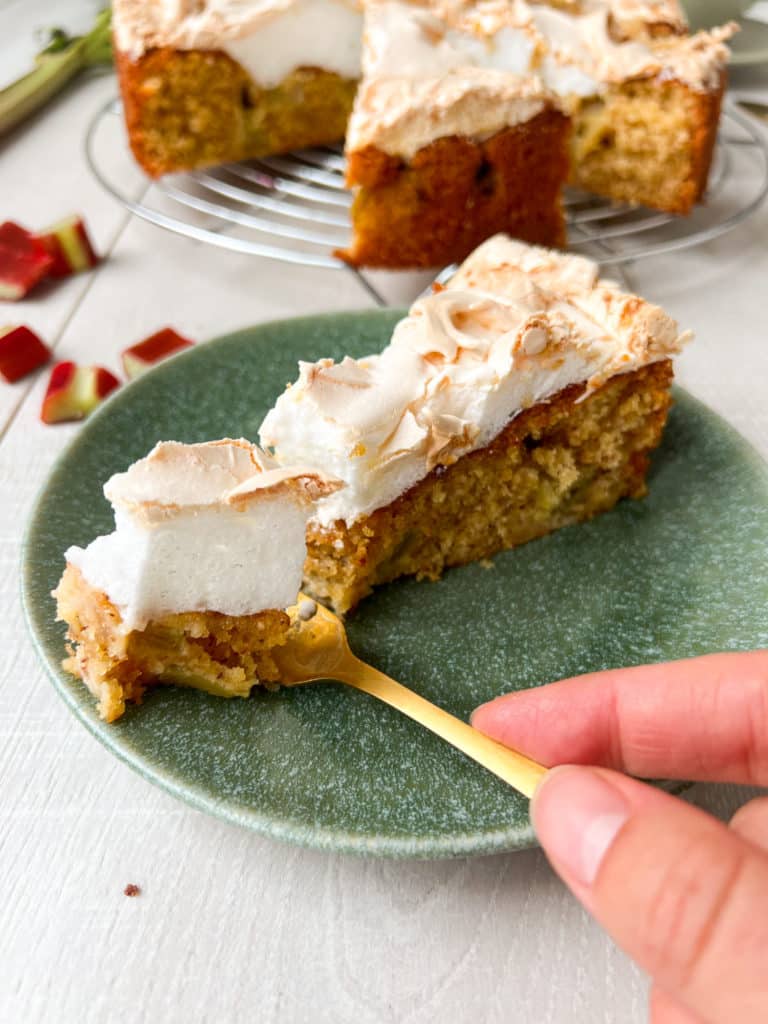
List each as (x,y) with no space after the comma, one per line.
(516,325)
(474,67)
(574,50)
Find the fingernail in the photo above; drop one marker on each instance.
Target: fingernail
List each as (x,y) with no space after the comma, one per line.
(577,815)
(477,715)
(489,716)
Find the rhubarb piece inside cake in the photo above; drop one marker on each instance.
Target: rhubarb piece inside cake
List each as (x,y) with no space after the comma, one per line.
(525,396)
(191,587)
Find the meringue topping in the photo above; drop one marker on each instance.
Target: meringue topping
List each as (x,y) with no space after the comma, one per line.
(474,67)
(514,326)
(400,116)
(202,527)
(576,48)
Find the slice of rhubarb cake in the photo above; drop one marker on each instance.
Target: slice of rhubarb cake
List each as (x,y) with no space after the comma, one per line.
(191,587)
(525,395)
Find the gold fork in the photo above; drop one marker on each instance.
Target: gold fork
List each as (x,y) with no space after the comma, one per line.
(318,649)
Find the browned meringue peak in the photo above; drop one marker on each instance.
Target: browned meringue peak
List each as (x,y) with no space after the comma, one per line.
(472,67)
(489,267)
(140,26)
(402,115)
(583,55)
(515,326)
(533,279)
(205,23)
(176,476)
(199,24)
(630,19)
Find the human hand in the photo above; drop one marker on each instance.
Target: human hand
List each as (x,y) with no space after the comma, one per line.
(683,894)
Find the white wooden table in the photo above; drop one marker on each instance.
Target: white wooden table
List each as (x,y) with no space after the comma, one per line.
(230,926)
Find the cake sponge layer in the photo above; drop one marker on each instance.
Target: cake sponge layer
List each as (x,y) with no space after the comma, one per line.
(557,463)
(192,108)
(457,192)
(222,654)
(647,143)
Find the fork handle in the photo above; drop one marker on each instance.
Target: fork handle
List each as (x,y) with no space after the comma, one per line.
(515,769)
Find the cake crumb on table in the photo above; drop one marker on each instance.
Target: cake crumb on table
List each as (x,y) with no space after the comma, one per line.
(132,890)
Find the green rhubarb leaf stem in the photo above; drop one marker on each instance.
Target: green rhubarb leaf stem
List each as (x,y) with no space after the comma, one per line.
(55,67)
(98,42)
(52,72)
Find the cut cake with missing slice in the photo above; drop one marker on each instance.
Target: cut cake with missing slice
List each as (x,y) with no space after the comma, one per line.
(210,81)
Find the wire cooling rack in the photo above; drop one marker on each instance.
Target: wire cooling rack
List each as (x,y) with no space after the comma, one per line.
(295,207)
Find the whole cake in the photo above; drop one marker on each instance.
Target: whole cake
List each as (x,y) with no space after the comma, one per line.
(454,104)
(524,396)
(191,587)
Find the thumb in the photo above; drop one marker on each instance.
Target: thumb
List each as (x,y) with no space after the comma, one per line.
(683,895)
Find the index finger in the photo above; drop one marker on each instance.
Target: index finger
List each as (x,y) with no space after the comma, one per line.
(704,719)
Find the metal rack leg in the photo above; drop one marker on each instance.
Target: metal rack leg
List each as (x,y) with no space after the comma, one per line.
(377,297)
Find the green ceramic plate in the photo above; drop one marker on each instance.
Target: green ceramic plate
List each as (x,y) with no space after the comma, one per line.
(681,573)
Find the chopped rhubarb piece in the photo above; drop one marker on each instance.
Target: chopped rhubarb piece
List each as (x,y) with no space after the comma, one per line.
(144,354)
(69,247)
(23,261)
(21,352)
(75,391)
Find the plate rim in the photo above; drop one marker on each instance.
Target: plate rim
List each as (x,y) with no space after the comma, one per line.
(508,839)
